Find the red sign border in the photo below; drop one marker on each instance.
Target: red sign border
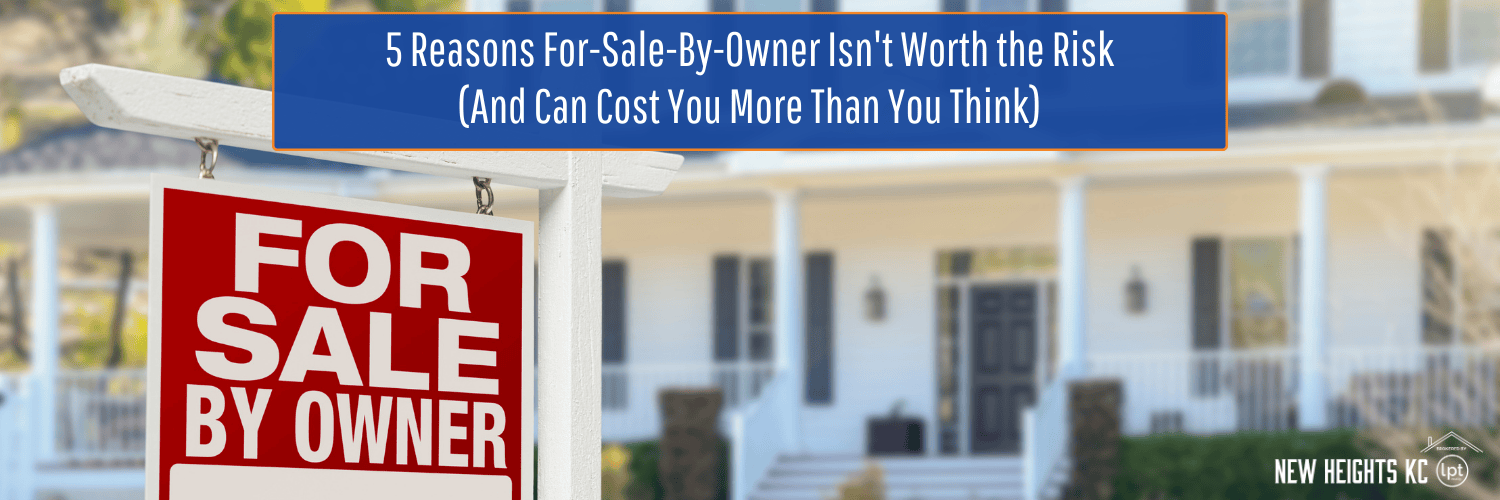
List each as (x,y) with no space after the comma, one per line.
(527,230)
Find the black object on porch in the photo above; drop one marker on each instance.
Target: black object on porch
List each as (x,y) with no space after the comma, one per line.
(894,435)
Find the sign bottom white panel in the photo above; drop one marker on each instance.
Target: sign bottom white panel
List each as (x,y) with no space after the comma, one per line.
(229,482)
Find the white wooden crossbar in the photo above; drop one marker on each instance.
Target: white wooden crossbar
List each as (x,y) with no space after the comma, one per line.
(185,108)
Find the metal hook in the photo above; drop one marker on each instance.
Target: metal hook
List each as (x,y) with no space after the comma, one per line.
(484,197)
(208,156)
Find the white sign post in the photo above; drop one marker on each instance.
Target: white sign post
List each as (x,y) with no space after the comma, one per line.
(570,184)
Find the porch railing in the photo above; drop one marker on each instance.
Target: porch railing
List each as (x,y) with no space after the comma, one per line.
(1208,392)
(1428,386)
(1203,392)
(16,448)
(101,416)
(630,404)
(756,439)
(1045,440)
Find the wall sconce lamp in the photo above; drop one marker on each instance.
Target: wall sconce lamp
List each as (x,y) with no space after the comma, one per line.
(875,301)
(1135,292)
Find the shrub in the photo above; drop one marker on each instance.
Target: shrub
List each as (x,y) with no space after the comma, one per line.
(1242,467)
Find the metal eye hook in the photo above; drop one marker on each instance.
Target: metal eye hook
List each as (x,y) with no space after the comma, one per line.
(208,156)
(484,197)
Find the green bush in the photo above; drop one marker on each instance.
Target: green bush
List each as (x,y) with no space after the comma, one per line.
(1242,467)
(644,481)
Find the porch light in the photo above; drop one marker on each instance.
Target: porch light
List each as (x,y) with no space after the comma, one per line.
(1135,292)
(875,301)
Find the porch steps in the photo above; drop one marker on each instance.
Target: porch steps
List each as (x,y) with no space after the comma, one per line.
(916,478)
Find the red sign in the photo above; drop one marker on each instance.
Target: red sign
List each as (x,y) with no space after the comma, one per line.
(306,346)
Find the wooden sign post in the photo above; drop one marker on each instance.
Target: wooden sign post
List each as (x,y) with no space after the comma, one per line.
(570,184)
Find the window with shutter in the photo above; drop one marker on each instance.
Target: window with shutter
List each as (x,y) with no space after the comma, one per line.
(744,341)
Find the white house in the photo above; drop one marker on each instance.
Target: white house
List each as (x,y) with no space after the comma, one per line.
(1265,287)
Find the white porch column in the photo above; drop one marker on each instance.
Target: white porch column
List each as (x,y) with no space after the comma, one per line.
(1312,288)
(790,323)
(44,320)
(568,333)
(1072,273)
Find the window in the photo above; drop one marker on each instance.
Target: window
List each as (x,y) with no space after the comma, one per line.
(947,364)
(742,285)
(1258,290)
(1478,32)
(615,388)
(567,5)
(1260,33)
(1472,43)
(1242,298)
(1004,5)
(773,5)
(745,344)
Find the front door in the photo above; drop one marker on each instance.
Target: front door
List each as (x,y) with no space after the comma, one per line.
(1003,325)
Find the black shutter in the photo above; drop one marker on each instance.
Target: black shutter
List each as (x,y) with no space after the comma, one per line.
(1433,41)
(954,5)
(613,307)
(726,308)
(1200,6)
(819,298)
(1437,288)
(518,6)
(1053,6)
(1207,300)
(617,5)
(823,5)
(721,5)
(1316,24)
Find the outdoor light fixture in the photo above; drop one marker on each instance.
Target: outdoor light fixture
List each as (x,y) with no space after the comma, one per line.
(875,301)
(1135,292)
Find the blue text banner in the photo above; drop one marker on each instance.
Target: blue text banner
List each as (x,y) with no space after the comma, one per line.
(750,81)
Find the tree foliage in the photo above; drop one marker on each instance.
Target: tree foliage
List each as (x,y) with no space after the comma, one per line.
(418,5)
(246,56)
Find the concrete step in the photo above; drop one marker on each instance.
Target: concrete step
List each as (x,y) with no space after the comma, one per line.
(905,478)
(893,480)
(954,493)
(929,493)
(897,465)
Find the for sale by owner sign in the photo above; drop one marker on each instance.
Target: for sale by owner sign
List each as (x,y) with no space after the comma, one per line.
(314,347)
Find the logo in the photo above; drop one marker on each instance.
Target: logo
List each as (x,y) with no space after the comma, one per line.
(1452,470)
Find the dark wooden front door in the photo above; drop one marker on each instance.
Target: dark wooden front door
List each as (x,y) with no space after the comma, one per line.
(1003,325)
